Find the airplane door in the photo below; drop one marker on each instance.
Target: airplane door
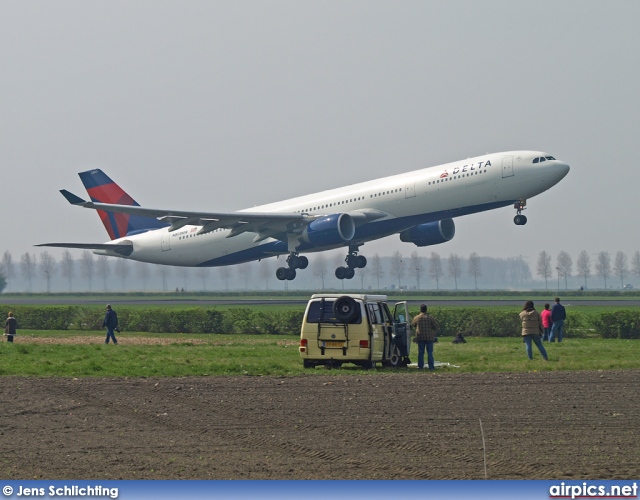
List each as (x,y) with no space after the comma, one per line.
(507,166)
(410,190)
(166,241)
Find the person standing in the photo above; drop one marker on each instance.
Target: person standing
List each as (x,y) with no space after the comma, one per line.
(532,329)
(558,315)
(10,327)
(545,316)
(111,322)
(426,328)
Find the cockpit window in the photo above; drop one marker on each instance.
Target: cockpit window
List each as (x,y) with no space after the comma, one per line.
(540,159)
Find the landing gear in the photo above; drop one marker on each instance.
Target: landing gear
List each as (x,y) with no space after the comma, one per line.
(519,219)
(354,261)
(294,261)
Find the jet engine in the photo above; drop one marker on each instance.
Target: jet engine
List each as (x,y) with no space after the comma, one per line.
(330,230)
(431,233)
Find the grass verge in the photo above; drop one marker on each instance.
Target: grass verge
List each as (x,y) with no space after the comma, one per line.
(76,354)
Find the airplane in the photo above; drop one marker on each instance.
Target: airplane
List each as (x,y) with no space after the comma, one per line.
(419,206)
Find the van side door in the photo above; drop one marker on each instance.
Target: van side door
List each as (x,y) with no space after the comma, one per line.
(402,327)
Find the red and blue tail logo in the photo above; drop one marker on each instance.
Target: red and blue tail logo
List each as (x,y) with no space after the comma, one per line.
(103,190)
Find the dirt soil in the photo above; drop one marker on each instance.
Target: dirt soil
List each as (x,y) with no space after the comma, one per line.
(552,425)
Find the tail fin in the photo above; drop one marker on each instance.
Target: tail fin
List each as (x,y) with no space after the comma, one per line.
(102,189)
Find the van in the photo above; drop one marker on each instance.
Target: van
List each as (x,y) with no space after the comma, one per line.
(354,328)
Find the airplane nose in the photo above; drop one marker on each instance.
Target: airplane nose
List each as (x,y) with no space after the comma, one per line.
(563,168)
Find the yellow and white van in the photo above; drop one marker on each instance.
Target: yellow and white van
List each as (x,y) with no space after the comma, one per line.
(354,328)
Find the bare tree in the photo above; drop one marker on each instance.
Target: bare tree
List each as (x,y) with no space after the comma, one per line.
(518,271)
(603,266)
(143,271)
(635,264)
(121,270)
(245,271)
(474,268)
(543,267)
(620,267)
(103,268)
(48,267)
(435,268)
(565,266)
(397,267)
(203,274)
(7,267)
(320,267)
(376,269)
(164,272)
(583,265)
(183,272)
(454,267)
(67,266)
(28,264)
(87,266)
(417,267)
(225,274)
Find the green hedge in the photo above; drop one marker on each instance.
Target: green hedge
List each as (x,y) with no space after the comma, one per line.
(485,322)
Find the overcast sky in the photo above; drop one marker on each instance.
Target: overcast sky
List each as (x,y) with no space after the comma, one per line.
(220,106)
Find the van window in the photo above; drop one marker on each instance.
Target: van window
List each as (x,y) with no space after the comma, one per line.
(374,314)
(321,311)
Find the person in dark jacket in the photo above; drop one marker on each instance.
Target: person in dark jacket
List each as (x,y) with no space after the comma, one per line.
(111,323)
(558,315)
(10,327)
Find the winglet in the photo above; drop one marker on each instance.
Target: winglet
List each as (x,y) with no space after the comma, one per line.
(72,198)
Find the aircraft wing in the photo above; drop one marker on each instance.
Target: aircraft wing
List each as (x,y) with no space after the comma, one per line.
(265,224)
(120,248)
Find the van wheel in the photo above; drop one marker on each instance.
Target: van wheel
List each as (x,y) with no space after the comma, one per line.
(345,309)
(395,360)
(308,364)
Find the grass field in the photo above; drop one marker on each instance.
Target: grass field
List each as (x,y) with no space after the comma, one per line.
(80,354)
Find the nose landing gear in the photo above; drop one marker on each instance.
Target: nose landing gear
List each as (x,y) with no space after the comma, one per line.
(519,219)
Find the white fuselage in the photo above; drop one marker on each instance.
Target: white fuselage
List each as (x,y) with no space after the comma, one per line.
(408,199)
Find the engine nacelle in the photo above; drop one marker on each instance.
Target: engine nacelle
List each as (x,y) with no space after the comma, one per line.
(330,230)
(430,234)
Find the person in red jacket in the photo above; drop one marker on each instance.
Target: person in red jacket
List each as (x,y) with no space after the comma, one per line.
(545,316)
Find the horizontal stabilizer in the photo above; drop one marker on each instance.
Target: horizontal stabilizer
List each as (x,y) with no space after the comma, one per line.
(124,249)
(72,198)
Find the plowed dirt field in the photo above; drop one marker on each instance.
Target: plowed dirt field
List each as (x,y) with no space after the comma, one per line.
(552,425)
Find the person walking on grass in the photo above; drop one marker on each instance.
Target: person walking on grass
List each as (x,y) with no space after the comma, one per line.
(532,329)
(546,322)
(111,323)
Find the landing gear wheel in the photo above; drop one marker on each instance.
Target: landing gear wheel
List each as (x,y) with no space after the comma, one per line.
(350,273)
(303,262)
(520,220)
(341,272)
(361,262)
(291,274)
(281,273)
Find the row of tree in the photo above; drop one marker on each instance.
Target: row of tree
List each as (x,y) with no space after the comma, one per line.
(69,274)
(602,266)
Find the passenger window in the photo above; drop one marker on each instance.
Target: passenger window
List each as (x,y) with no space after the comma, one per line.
(374,314)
